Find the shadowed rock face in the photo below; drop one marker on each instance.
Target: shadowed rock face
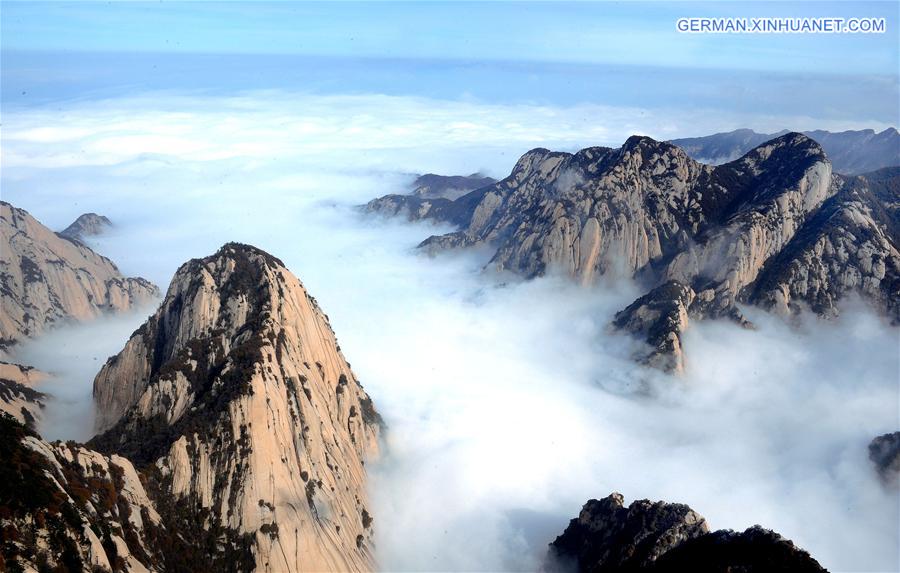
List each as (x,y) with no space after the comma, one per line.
(46,279)
(86,225)
(884,451)
(236,401)
(755,550)
(608,536)
(851,152)
(774,228)
(645,536)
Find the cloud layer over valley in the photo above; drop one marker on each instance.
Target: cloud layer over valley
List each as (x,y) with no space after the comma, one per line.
(508,404)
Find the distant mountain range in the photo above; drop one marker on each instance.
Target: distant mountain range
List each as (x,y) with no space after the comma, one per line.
(850,152)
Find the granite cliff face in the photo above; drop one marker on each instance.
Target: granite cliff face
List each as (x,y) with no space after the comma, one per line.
(46,279)
(235,401)
(774,228)
(851,152)
(648,536)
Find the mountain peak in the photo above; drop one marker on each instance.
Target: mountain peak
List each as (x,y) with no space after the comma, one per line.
(237,383)
(86,225)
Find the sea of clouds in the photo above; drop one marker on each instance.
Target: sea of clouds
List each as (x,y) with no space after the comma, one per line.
(509,403)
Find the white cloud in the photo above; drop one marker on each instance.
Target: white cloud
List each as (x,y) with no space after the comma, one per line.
(508,405)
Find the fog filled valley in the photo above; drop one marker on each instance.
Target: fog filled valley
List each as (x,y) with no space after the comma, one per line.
(507,402)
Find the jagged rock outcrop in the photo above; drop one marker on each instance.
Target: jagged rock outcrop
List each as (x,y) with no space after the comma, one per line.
(851,152)
(235,400)
(18,397)
(774,228)
(46,279)
(884,452)
(86,225)
(648,536)
(608,536)
(64,507)
(433,197)
(659,317)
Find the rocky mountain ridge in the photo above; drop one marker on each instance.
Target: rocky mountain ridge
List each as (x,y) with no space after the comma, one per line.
(775,228)
(47,279)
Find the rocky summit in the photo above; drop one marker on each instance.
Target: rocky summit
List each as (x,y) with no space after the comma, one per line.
(237,395)
(607,536)
(86,225)
(775,228)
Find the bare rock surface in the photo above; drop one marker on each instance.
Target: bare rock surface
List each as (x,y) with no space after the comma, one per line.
(658,536)
(850,245)
(236,402)
(46,279)
(18,397)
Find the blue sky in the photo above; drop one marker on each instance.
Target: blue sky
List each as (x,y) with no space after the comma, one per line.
(624,53)
(588,32)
